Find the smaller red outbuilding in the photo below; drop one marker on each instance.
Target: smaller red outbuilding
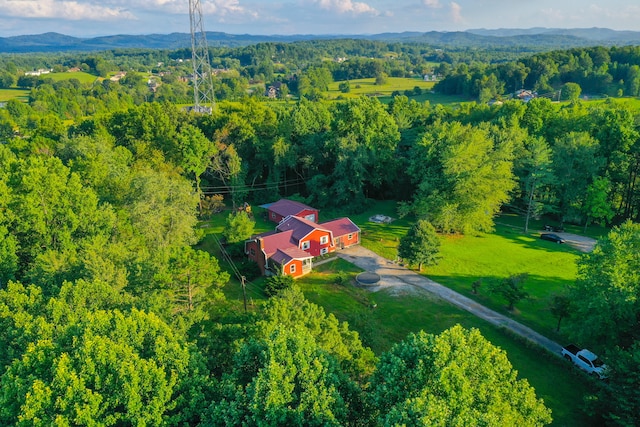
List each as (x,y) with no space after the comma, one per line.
(278,211)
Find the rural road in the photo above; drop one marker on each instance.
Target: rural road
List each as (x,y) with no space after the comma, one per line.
(393,275)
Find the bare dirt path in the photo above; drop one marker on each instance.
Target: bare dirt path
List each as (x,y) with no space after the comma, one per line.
(396,276)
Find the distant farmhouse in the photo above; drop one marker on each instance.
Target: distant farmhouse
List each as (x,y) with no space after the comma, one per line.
(119,75)
(38,72)
(297,239)
(525,95)
(273,90)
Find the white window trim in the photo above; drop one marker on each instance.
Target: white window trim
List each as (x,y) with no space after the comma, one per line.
(324,240)
(292,268)
(349,236)
(306,245)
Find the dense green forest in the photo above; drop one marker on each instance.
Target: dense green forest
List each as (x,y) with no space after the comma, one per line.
(108,313)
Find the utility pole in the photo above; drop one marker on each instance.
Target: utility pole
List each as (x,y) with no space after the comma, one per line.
(203,100)
(244,291)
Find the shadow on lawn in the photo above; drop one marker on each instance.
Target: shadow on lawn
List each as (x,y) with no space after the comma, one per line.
(532,240)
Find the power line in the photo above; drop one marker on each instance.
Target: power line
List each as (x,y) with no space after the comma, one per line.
(256,289)
(292,181)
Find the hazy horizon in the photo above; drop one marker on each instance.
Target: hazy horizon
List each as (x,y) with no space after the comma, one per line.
(92,18)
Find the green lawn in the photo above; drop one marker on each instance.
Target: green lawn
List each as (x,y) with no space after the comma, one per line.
(561,387)
(20,94)
(489,257)
(493,257)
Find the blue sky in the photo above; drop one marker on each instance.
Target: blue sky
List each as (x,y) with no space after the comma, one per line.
(86,18)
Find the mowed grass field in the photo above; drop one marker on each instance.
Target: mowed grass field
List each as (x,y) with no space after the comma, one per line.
(80,75)
(7,94)
(23,94)
(360,87)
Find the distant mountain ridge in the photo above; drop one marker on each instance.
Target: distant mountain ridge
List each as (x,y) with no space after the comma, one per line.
(532,37)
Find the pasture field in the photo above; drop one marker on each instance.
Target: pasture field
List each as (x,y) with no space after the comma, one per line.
(80,75)
(20,94)
(361,87)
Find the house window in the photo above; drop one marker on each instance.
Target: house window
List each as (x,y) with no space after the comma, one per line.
(311,217)
(323,251)
(324,240)
(350,236)
(273,215)
(305,245)
(253,251)
(292,268)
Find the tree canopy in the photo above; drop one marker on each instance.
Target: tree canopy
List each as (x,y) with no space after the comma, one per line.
(455,378)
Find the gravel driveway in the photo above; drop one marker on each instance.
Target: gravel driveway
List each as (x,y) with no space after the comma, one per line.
(394,276)
(581,243)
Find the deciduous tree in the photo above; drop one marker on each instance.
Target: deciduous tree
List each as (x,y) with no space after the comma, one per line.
(462,177)
(511,289)
(238,228)
(605,294)
(420,245)
(455,378)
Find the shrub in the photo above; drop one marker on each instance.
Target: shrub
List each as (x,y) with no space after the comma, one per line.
(275,284)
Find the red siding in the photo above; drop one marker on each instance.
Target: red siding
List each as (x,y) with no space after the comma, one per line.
(314,242)
(277,218)
(256,255)
(307,212)
(345,242)
(274,217)
(298,268)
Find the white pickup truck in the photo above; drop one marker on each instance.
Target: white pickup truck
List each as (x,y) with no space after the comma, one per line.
(585,360)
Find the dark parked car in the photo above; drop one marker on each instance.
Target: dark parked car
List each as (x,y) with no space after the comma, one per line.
(552,237)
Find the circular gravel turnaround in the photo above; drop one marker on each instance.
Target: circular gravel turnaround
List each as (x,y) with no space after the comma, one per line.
(368,278)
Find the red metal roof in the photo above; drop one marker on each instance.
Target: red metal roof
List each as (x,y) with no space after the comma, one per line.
(300,227)
(283,256)
(274,241)
(340,227)
(286,207)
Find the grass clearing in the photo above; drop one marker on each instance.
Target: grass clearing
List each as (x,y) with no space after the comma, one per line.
(20,94)
(359,87)
(79,75)
(561,387)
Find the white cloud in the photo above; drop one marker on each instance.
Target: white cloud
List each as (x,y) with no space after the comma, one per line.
(433,4)
(346,6)
(456,13)
(70,10)
(553,16)
(224,8)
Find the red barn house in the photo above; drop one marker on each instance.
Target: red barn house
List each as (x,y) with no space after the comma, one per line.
(278,211)
(296,241)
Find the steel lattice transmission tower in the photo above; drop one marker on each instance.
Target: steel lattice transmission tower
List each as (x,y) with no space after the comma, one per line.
(202,76)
